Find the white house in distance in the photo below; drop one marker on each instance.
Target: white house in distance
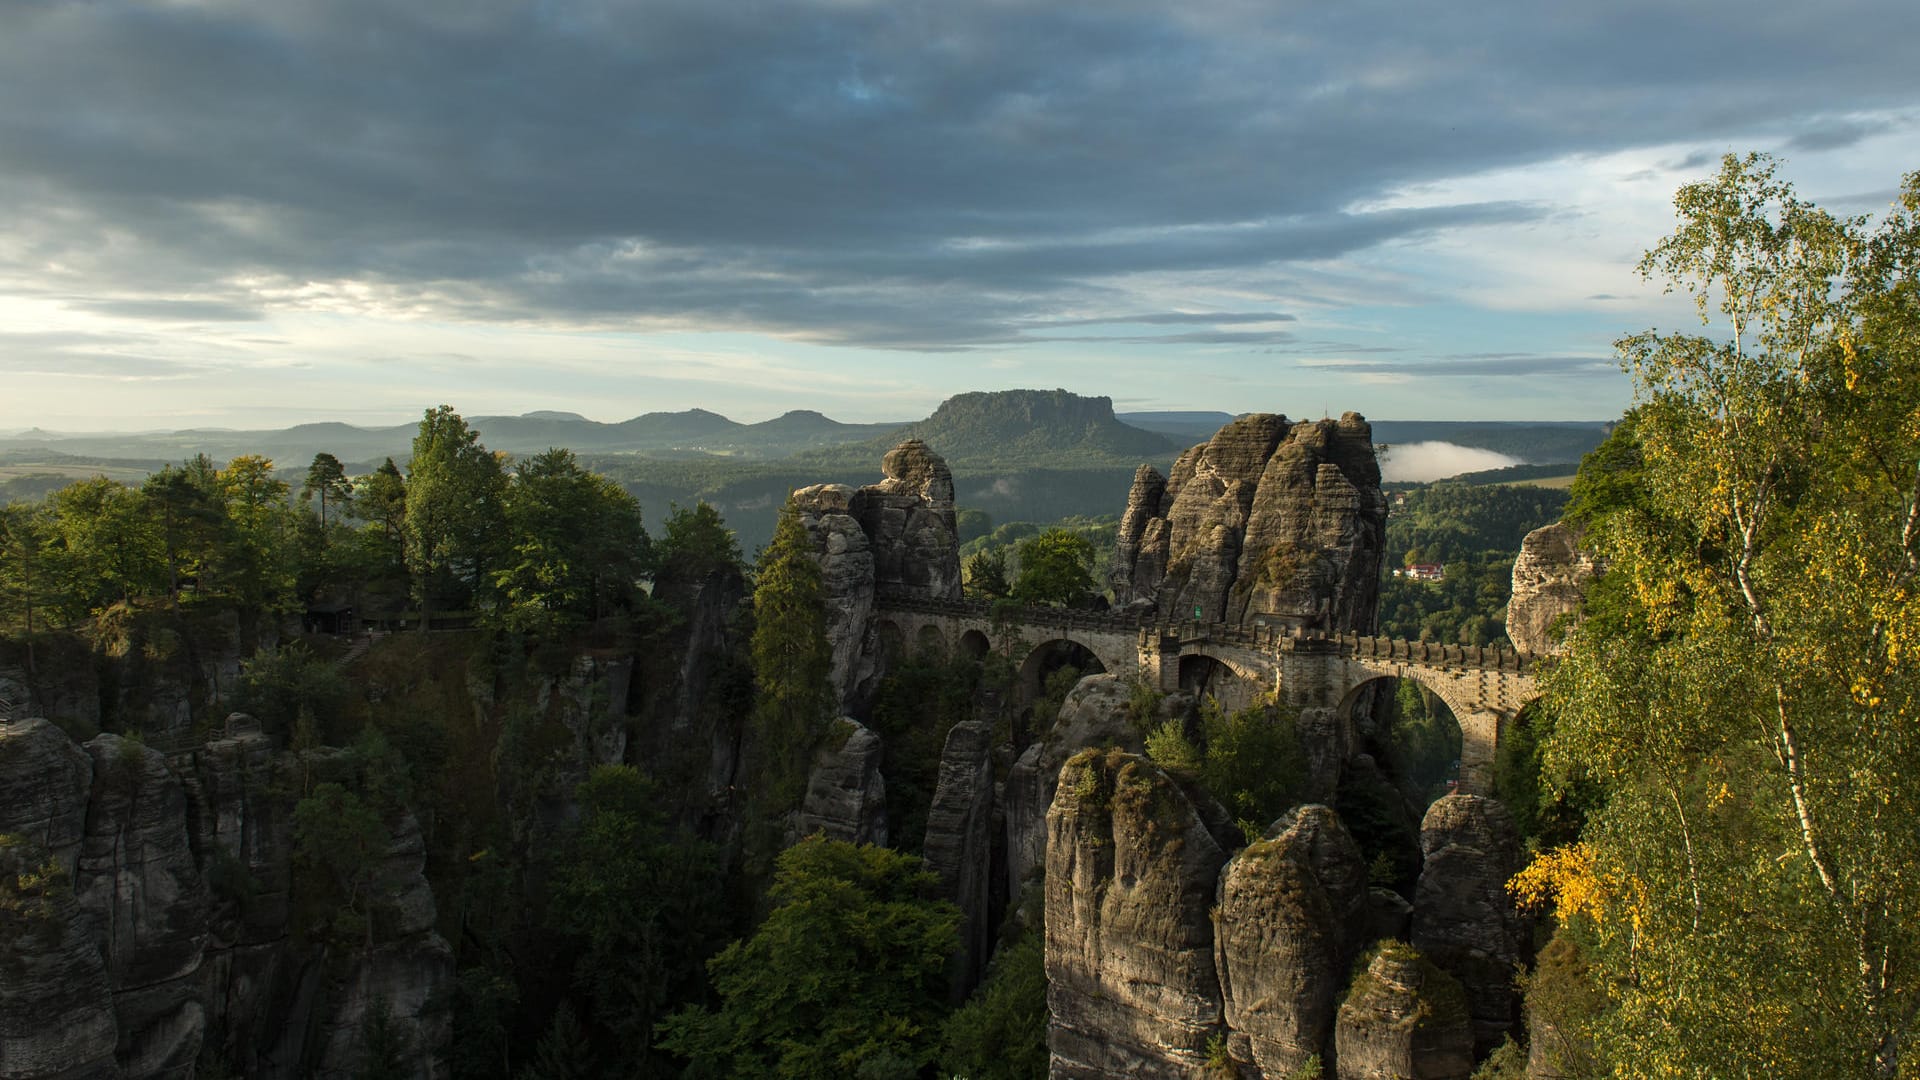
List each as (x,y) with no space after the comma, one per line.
(1423,571)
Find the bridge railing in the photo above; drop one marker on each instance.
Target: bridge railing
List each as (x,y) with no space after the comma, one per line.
(1003,611)
(1266,638)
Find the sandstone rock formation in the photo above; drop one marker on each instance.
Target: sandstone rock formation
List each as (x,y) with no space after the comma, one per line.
(56,1007)
(409,973)
(1549,576)
(1286,926)
(1266,519)
(909,519)
(1094,714)
(1404,1019)
(167,919)
(1131,872)
(1140,544)
(846,796)
(243,831)
(896,537)
(959,843)
(847,577)
(141,888)
(1463,917)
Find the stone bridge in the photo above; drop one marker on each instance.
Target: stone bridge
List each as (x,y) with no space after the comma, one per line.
(1484,686)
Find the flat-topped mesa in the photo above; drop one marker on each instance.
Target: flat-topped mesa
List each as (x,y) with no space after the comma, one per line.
(1269,521)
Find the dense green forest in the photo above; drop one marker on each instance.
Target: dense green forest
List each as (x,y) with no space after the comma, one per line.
(1473,531)
(597,942)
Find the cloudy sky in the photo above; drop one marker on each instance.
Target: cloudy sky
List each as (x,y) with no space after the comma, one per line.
(260,212)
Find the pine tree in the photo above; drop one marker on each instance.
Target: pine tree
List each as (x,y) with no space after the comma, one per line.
(792,659)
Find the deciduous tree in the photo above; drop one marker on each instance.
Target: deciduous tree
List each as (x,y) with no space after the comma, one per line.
(847,971)
(1747,895)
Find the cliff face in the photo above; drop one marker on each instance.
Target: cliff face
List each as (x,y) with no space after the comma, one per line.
(909,518)
(1549,576)
(166,919)
(1287,924)
(1131,870)
(1267,518)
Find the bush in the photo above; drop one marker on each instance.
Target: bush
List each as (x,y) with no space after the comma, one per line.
(1001,1032)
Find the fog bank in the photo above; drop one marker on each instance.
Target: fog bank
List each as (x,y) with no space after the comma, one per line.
(1424,461)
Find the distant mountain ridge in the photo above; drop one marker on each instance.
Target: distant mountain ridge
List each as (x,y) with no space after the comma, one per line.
(998,429)
(1040,428)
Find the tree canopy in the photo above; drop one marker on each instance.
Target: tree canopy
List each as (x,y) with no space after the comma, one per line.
(1742,687)
(846,977)
(1056,567)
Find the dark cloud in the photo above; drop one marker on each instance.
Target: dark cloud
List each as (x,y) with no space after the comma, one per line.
(1835,134)
(170,310)
(1192,337)
(930,176)
(1179,318)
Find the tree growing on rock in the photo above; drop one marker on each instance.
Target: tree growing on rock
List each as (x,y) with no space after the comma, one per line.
(1056,567)
(454,492)
(792,658)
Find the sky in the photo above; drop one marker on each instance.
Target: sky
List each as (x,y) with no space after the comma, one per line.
(254,213)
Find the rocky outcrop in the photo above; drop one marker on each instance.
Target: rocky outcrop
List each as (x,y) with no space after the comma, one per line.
(846,796)
(1285,929)
(44,783)
(1549,576)
(896,537)
(959,843)
(141,888)
(166,919)
(1131,873)
(1095,713)
(1463,917)
(1404,1019)
(908,518)
(845,555)
(1140,545)
(244,835)
(1267,519)
(56,1007)
(409,974)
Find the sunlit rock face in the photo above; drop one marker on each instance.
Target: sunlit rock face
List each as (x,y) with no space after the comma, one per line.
(1549,576)
(846,796)
(1131,871)
(909,519)
(1268,520)
(1290,914)
(1404,1019)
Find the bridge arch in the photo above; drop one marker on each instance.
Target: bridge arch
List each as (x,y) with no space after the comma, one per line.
(974,645)
(1481,721)
(930,642)
(890,639)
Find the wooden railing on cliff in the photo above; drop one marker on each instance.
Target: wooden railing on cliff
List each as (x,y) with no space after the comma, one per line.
(1269,638)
